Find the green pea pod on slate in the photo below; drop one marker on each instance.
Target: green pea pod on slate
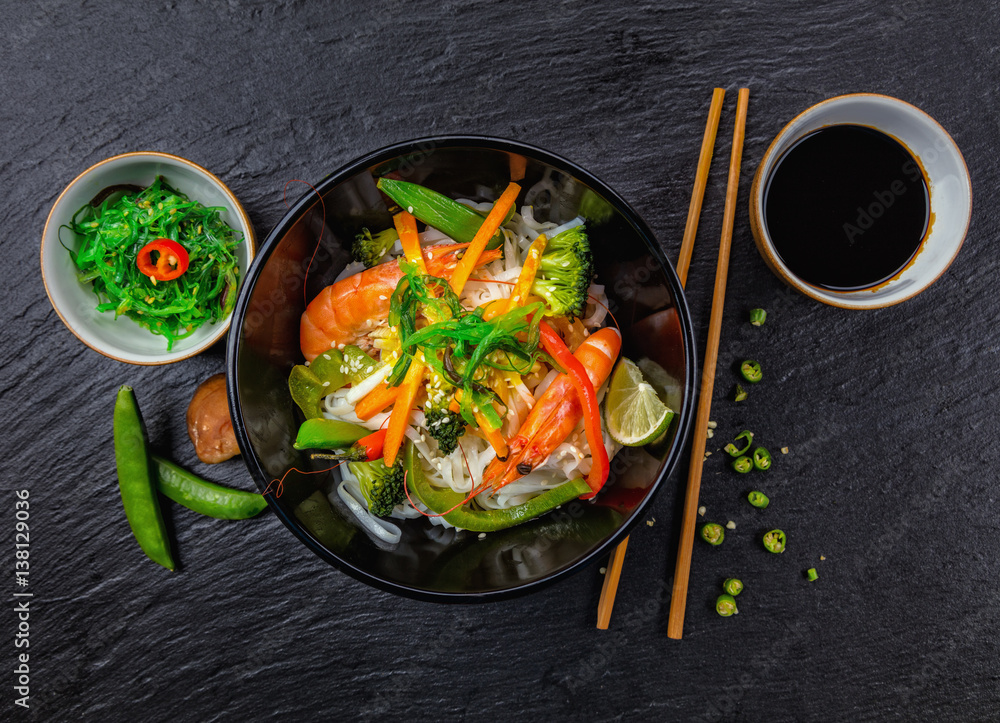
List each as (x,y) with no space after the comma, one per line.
(441,500)
(323,433)
(204,497)
(137,481)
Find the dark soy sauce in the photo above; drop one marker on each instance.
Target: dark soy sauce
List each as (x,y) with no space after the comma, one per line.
(846,207)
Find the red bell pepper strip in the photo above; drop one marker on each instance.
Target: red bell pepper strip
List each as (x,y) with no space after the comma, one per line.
(171,263)
(555,346)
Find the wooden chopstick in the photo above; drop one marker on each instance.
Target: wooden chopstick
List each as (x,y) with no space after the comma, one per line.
(617,559)
(678,601)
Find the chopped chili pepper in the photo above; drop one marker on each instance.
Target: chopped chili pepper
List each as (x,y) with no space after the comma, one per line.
(725,605)
(758,499)
(733,586)
(555,346)
(774,541)
(712,533)
(743,464)
(757,316)
(761,458)
(751,371)
(812,574)
(740,394)
(733,451)
(171,260)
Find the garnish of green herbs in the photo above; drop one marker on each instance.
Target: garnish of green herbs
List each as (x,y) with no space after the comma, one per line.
(111,235)
(758,499)
(746,436)
(751,371)
(757,317)
(713,533)
(761,458)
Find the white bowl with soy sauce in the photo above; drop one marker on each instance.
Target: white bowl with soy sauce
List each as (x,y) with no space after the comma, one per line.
(861,201)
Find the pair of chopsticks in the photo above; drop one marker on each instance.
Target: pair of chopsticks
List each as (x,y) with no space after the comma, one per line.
(678,601)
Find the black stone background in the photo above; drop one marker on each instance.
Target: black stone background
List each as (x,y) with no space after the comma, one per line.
(889,415)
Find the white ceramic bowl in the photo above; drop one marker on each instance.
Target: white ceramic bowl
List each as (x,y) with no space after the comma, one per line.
(944,171)
(75,302)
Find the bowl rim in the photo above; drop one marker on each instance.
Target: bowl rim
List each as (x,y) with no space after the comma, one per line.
(766,247)
(685,415)
(249,239)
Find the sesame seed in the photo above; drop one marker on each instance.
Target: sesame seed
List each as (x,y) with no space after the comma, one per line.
(326,384)
(482,535)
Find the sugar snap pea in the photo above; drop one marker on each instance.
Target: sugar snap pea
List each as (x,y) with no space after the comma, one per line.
(204,497)
(136,480)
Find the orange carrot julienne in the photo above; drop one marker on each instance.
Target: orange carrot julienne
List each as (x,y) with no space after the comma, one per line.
(493,436)
(375,401)
(527,276)
(478,244)
(400,416)
(406,227)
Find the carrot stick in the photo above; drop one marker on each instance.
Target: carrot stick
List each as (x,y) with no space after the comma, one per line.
(527,276)
(478,244)
(375,401)
(406,227)
(401,410)
(493,436)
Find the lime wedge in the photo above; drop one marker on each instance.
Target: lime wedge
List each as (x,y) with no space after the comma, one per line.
(633,411)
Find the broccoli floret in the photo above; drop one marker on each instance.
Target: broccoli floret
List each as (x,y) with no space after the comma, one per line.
(382,486)
(564,273)
(370,249)
(445,426)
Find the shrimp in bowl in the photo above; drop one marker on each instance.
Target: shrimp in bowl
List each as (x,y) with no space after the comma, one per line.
(456,369)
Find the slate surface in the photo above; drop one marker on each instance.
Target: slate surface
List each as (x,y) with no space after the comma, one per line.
(888,414)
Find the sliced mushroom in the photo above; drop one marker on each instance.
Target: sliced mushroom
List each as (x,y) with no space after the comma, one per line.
(209,424)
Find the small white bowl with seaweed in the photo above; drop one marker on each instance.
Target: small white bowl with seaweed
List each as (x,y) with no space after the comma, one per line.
(142,257)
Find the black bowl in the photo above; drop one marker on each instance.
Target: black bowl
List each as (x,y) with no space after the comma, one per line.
(431,563)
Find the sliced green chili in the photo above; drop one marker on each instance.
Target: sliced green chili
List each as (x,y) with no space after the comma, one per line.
(758,499)
(733,451)
(742,464)
(751,371)
(812,574)
(725,605)
(733,586)
(774,541)
(761,458)
(740,394)
(713,533)
(757,316)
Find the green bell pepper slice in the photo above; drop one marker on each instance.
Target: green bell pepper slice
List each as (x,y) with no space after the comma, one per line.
(464,516)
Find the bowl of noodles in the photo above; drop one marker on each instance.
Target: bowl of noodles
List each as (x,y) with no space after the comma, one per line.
(420,359)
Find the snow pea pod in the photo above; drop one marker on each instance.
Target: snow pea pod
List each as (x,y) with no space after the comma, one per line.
(136,480)
(323,433)
(204,497)
(441,500)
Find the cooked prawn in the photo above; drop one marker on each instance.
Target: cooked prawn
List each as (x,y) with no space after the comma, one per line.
(347,310)
(556,413)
